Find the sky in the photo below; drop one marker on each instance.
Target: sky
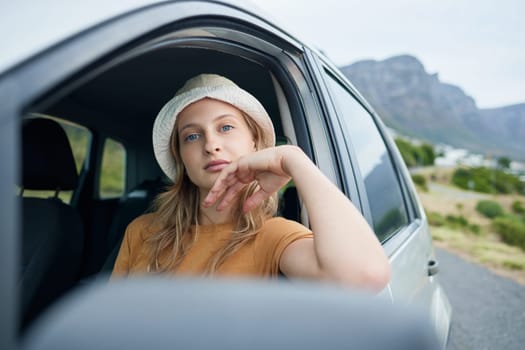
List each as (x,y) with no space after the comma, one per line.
(478,45)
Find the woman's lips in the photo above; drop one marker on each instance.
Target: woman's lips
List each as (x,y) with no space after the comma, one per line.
(216,165)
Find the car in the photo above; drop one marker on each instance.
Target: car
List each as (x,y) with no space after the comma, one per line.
(80,86)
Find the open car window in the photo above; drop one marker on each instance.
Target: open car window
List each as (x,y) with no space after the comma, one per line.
(108,109)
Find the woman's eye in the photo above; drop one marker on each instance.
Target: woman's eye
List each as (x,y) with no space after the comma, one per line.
(191,137)
(226,127)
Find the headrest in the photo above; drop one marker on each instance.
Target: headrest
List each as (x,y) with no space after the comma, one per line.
(47,159)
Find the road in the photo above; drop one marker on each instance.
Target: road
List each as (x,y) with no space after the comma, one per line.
(488,310)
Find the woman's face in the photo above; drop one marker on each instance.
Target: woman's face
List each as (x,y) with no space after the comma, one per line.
(211,135)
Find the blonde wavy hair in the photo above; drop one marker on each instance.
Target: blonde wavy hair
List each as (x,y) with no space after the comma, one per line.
(177,209)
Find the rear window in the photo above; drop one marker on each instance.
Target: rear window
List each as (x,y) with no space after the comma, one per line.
(113,173)
(79,139)
(382,185)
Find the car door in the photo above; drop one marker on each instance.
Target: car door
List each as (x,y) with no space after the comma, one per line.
(92,50)
(387,198)
(61,64)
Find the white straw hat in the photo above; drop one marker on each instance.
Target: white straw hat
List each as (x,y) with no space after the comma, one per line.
(199,87)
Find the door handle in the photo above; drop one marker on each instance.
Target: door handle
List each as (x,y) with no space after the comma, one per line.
(433,267)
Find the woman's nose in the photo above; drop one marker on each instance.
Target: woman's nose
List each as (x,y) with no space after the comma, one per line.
(212,144)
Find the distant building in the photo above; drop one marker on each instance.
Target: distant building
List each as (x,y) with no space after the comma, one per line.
(450,156)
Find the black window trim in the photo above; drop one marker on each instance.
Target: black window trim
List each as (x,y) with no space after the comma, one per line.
(344,163)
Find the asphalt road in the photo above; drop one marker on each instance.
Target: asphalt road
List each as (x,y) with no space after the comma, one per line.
(488,310)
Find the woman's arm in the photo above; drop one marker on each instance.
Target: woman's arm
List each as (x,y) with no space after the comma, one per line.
(344,248)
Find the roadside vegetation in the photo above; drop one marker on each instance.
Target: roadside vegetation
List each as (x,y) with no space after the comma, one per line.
(484,227)
(487,180)
(416,155)
(476,212)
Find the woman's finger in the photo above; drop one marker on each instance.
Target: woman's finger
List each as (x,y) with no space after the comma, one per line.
(230,195)
(218,188)
(226,179)
(254,200)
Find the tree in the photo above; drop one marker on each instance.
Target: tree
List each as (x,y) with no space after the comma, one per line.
(430,155)
(416,155)
(504,162)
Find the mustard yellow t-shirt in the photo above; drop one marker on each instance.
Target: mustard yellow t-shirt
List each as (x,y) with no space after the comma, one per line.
(258,258)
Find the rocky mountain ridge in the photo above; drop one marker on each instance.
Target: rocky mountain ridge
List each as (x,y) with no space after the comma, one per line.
(418,104)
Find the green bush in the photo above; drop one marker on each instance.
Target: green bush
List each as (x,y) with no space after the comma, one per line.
(513,265)
(510,230)
(504,162)
(487,180)
(452,221)
(463,178)
(489,209)
(476,229)
(518,208)
(428,154)
(420,181)
(405,148)
(455,222)
(415,155)
(435,219)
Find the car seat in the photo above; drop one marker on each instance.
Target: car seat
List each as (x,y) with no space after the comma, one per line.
(52,231)
(136,202)
(289,206)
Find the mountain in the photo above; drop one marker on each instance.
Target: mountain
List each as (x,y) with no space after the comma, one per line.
(508,123)
(418,104)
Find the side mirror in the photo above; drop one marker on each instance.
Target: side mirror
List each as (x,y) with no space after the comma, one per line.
(142,313)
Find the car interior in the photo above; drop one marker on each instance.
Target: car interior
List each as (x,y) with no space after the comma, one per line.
(67,240)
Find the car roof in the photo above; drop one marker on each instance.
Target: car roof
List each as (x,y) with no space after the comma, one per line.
(34,26)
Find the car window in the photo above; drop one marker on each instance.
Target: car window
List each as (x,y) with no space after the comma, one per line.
(382,186)
(113,172)
(79,139)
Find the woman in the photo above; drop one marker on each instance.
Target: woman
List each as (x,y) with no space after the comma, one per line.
(216,143)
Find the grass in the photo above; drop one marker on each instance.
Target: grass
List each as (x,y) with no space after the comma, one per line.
(65,196)
(485,249)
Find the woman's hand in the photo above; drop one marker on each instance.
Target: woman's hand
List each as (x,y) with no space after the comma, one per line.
(265,167)
(343,249)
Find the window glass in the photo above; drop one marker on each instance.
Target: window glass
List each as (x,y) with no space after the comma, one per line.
(79,139)
(381,182)
(113,173)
